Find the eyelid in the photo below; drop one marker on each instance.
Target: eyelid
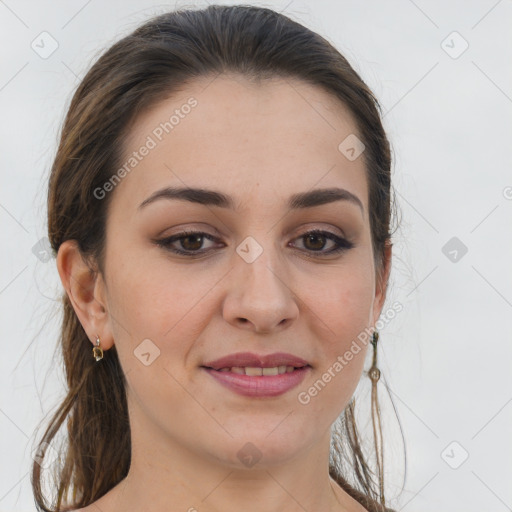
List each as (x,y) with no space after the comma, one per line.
(302,230)
(315,226)
(342,244)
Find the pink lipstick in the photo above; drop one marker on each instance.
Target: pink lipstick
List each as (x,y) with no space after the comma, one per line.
(258,375)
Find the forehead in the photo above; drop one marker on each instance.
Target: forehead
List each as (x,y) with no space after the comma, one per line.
(251,140)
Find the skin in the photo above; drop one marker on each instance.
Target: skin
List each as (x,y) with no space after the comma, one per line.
(259,143)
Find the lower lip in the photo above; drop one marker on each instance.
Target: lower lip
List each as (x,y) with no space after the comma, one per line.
(260,386)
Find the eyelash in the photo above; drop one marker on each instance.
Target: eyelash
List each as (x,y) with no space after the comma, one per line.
(341,243)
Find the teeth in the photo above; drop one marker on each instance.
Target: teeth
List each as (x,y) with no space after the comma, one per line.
(253,371)
(257,372)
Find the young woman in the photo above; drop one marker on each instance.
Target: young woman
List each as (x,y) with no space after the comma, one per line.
(219,207)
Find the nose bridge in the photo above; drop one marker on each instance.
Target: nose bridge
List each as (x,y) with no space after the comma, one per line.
(261,266)
(261,293)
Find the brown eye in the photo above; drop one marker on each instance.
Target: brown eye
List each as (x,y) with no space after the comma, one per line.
(192,242)
(315,241)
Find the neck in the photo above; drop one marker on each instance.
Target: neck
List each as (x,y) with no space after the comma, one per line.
(165,475)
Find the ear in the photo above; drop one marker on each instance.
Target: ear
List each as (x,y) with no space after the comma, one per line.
(381,284)
(86,291)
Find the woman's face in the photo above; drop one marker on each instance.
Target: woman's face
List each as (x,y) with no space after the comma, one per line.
(252,281)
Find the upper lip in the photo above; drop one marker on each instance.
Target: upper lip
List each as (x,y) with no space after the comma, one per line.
(248,359)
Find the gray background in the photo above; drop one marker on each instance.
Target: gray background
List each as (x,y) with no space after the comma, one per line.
(446,357)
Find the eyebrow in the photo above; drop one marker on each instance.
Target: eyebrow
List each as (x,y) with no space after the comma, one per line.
(206,197)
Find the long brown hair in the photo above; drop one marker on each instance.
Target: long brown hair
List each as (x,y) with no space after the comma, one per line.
(134,74)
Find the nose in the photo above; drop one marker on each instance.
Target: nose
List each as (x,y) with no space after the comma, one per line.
(260,298)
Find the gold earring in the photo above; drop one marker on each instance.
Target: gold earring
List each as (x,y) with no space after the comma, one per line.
(374,371)
(374,374)
(97,352)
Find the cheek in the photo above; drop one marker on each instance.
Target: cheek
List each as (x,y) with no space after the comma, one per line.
(341,303)
(151,298)
(341,318)
(154,314)
(143,292)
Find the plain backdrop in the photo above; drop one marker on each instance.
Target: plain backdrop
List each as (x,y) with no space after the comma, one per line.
(442,72)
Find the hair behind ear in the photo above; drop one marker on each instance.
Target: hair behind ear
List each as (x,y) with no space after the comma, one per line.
(98,452)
